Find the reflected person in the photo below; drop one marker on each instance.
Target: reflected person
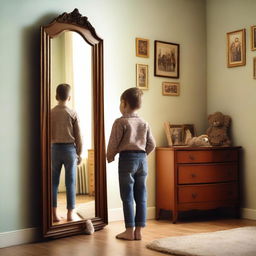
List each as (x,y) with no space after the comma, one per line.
(66,145)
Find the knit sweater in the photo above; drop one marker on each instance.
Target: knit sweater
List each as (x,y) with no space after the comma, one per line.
(65,127)
(130,132)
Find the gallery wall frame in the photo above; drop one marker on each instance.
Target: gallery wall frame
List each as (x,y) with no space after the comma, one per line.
(142,76)
(170,89)
(142,47)
(254,68)
(253,38)
(166,59)
(236,48)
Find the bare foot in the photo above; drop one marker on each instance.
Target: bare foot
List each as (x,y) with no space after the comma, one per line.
(128,234)
(70,215)
(55,217)
(137,233)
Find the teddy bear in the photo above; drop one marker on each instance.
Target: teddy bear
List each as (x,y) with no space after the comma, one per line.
(200,141)
(218,129)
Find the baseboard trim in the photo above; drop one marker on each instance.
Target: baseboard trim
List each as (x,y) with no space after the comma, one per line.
(30,235)
(116,214)
(247,213)
(21,236)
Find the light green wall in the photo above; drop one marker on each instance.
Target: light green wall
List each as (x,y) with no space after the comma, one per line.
(118,22)
(180,22)
(233,90)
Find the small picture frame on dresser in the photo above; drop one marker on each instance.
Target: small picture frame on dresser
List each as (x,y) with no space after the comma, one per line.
(189,127)
(168,133)
(177,134)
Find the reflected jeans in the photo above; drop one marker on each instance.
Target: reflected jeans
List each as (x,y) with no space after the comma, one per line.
(132,170)
(64,154)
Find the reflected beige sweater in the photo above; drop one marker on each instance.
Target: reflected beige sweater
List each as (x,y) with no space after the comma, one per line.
(65,127)
(130,132)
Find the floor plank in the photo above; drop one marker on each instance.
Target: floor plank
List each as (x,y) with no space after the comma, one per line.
(104,243)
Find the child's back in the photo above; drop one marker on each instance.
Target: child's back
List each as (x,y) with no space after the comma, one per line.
(132,139)
(130,132)
(65,127)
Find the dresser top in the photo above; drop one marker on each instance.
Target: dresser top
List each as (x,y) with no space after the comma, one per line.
(187,148)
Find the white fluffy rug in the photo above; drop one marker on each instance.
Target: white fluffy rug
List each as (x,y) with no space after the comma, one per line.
(86,210)
(232,242)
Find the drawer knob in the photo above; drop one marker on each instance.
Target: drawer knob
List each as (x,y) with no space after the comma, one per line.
(194,195)
(193,175)
(191,157)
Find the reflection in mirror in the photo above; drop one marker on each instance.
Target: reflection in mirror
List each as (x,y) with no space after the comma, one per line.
(71,125)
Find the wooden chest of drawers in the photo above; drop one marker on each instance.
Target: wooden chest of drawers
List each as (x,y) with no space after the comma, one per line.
(196,178)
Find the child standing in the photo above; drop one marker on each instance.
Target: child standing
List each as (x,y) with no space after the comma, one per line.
(132,139)
(66,148)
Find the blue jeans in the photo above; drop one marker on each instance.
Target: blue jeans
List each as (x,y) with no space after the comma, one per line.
(133,171)
(64,154)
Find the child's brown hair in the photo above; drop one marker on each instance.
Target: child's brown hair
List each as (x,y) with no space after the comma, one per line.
(132,96)
(62,92)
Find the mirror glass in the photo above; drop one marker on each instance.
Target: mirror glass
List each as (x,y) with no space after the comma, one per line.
(72,182)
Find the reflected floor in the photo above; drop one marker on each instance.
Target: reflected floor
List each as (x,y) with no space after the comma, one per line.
(81,201)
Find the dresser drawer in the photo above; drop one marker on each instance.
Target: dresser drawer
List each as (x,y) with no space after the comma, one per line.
(207,193)
(207,156)
(206,173)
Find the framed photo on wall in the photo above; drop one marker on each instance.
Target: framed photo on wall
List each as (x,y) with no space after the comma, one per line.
(142,76)
(167,59)
(253,38)
(170,89)
(142,47)
(254,68)
(236,48)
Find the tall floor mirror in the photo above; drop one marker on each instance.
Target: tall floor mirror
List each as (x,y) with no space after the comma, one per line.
(72,127)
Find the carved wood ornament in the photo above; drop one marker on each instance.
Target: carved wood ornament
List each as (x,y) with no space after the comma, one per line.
(75,18)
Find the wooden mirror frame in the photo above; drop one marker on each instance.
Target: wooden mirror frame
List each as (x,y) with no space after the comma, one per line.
(73,21)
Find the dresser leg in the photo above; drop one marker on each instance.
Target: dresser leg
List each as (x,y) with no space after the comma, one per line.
(238,212)
(174,217)
(157,214)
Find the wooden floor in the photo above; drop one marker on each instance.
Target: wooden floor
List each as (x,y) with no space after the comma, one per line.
(104,243)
